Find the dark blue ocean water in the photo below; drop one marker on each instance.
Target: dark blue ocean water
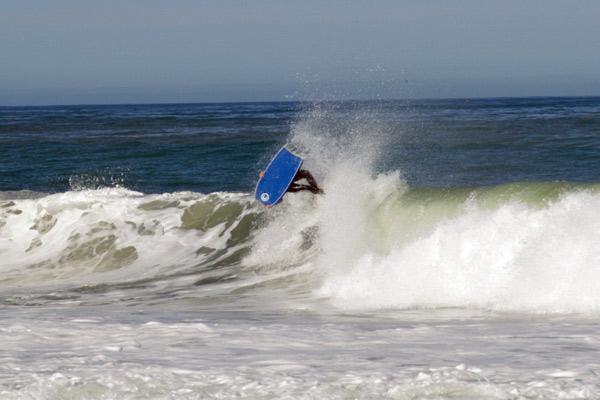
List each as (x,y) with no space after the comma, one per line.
(220,147)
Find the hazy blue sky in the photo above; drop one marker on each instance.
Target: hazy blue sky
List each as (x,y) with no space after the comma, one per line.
(78,51)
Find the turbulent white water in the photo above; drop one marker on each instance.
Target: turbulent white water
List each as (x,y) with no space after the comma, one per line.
(373,245)
(297,357)
(374,290)
(514,256)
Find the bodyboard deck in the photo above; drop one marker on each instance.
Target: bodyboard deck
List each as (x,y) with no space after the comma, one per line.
(277,177)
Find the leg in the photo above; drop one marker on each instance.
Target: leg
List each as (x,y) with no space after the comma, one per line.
(312,182)
(298,188)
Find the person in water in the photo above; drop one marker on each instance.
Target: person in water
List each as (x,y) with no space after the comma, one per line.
(311,185)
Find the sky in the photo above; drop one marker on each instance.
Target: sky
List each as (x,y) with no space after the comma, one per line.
(151,51)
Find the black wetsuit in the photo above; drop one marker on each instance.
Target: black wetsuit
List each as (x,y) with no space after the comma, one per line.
(312,183)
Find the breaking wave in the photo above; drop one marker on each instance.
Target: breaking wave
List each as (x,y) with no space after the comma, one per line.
(371,242)
(377,243)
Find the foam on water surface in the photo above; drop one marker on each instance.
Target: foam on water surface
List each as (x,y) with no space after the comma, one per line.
(291,357)
(378,289)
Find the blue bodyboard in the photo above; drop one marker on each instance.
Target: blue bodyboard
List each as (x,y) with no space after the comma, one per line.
(278,177)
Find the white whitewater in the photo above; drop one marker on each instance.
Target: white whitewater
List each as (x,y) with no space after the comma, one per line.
(375,290)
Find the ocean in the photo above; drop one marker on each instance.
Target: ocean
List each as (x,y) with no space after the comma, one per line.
(454,255)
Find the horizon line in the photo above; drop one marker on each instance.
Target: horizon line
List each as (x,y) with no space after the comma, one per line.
(349,100)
